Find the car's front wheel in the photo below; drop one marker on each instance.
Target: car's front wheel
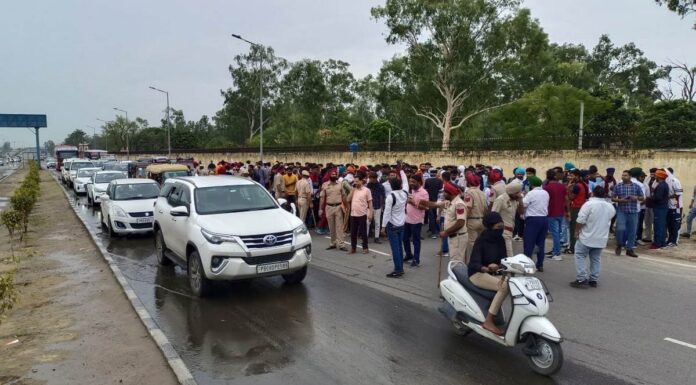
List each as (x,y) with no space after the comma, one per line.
(201,286)
(109,226)
(161,249)
(295,277)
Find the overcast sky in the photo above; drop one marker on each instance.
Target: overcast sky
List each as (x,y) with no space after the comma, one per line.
(75,60)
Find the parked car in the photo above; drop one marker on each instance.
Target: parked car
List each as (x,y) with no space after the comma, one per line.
(50,164)
(228,228)
(126,208)
(65,170)
(83,176)
(99,183)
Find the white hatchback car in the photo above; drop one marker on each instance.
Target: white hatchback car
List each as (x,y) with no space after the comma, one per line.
(99,183)
(228,228)
(126,208)
(82,177)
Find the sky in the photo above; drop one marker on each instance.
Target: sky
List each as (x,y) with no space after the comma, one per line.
(75,60)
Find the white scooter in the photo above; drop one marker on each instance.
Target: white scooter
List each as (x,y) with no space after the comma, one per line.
(466,306)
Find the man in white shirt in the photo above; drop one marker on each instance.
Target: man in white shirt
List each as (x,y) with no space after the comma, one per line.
(592,233)
(675,206)
(536,203)
(393,222)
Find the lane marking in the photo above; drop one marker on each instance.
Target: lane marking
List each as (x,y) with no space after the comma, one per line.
(371,250)
(682,343)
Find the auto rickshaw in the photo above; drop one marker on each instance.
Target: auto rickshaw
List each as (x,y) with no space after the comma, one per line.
(161,172)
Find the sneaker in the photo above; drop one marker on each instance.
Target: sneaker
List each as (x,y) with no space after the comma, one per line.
(446,255)
(568,251)
(639,243)
(631,253)
(415,264)
(593,283)
(579,284)
(565,245)
(557,258)
(672,244)
(685,235)
(516,238)
(549,254)
(433,236)
(395,274)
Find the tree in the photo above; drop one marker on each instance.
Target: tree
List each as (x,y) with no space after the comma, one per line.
(6,147)
(467,51)
(670,124)
(77,138)
(49,146)
(120,132)
(686,80)
(681,7)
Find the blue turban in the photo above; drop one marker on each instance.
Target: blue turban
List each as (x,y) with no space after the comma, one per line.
(519,170)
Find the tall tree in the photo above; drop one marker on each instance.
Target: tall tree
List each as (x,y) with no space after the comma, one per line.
(465,50)
(681,7)
(120,132)
(6,147)
(77,138)
(50,146)
(686,80)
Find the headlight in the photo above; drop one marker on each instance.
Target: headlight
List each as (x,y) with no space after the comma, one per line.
(217,238)
(301,230)
(119,212)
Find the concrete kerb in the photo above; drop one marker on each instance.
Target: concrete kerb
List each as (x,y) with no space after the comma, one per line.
(183,374)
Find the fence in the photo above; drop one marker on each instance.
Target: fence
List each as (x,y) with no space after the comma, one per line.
(632,141)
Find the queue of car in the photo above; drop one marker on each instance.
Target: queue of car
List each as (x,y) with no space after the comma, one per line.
(215,227)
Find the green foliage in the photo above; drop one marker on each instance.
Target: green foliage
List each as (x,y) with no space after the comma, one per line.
(6,147)
(50,147)
(8,294)
(670,123)
(681,7)
(77,138)
(24,198)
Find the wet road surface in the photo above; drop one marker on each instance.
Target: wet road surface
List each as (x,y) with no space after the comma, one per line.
(327,331)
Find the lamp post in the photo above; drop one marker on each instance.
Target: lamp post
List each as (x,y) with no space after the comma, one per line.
(94,135)
(106,137)
(127,145)
(260,92)
(169,124)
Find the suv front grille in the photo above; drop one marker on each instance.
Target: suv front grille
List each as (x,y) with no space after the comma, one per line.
(142,214)
(257,241)
(268,258)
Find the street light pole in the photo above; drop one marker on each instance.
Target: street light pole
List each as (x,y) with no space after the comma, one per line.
(169,124)
(127,144)
(106,137)
(94,135)
(260,92)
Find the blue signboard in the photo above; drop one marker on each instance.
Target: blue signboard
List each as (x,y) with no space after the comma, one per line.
(22,120)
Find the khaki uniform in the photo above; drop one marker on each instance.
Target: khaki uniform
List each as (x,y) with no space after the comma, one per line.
(278,185)
(507,208)
(454,211)
(303,190)
(333,195)
(475,201)
(498,189)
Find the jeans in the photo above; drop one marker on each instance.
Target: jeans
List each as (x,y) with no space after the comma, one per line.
(396,239)
(690,219)
(555,224)
(358,226)
(433,224)
(641,220)
(581,254)
(565,237)
(445,243)
(626,224)
(571,226)
(412,233)
(673,225)
(534,235)
(660,230)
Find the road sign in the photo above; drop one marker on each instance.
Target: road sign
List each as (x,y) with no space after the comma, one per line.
(22,120)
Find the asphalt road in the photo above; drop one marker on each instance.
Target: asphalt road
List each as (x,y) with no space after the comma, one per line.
(336,331)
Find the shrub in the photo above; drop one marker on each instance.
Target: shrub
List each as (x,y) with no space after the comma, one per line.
(12,220)
(8,294)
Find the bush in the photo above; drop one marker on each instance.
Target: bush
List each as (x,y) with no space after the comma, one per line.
(24,198)
(8,294)
(12,220)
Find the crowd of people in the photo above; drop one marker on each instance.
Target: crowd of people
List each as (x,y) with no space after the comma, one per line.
(394,202)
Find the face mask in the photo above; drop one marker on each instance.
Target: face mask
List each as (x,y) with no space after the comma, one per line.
(333,178)
(497,232)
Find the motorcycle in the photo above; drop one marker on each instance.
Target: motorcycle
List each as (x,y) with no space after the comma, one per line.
(466,306)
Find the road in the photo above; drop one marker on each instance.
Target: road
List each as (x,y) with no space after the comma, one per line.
(333,330)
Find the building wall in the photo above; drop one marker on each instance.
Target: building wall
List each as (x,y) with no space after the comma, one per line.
(682,161)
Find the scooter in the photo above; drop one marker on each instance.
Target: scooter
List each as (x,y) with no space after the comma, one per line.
(466,306)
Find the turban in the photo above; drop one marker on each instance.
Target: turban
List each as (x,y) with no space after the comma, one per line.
(495,176)
(351,169)
(341,170)
(635,172)
(491,219)
(451,189)
(662,174)
(519,170)
(513,188)
(363,168)
(472,179)
(534,181)
(611,170)
(569,166)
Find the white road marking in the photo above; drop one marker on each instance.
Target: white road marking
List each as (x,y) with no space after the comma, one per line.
(682,343)
(661,260)
(372,250)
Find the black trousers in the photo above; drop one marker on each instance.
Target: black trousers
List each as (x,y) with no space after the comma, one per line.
(358,226)
(641,220)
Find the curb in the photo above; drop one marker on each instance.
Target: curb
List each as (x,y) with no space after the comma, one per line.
(183,374)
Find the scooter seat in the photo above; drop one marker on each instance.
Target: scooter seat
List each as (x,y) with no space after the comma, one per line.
(462,273)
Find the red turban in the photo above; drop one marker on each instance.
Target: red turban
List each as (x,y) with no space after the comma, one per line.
(472,179)
(662,174)
(451,189)
(495,176)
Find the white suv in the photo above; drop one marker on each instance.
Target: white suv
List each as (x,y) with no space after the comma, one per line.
(228,228)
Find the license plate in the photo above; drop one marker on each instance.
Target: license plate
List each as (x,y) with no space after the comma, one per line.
(144,220)
(269,267)
(532,284)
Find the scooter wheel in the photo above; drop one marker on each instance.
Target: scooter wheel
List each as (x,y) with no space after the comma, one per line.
(550,358)
(460,328)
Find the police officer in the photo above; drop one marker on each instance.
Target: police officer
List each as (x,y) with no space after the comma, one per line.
(455,221)
(475,201)
(333,194)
